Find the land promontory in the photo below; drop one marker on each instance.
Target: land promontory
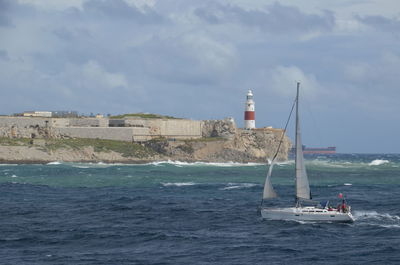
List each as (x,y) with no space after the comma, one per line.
(135,139)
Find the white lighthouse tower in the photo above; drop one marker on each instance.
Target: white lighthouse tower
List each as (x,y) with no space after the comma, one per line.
(249,113)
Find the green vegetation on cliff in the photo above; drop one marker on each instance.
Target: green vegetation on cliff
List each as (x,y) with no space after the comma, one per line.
(14,141)
(126,149)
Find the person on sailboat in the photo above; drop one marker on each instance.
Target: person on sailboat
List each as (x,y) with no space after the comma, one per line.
(342,207)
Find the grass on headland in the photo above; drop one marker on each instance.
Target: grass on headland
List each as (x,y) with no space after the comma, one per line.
(126,149)
(14,141)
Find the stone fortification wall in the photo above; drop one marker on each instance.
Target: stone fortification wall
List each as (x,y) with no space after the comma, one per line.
(118,133)
(23,127)
(179,129)
(24,122)
(142,129)
(88,122)
(59,122)
(169,128)
(135,129)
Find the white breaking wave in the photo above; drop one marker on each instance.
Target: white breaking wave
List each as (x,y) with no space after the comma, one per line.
(378,162)
(232,186)
(178,184)
(96,165)
(365,214)
(54,163)
(14,176)
(330,163)
(378,219)
(80,166)
(180,164)
(347,184)
(390,226)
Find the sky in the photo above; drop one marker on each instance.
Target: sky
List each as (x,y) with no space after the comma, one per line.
(197,59)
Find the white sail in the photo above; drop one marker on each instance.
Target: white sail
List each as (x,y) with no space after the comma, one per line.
(302,186)
(269,191)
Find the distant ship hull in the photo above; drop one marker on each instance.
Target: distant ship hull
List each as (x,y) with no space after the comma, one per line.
(323,150)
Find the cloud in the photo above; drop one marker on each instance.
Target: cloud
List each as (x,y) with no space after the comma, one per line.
(277,18)
(381,23)
(198,58)
(5,7)
(4,55)
(284,78)
(96,76)
(119,9)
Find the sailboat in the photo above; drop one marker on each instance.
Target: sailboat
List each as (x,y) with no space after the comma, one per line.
(304,209)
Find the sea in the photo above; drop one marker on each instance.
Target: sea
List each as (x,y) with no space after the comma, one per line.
(174,212)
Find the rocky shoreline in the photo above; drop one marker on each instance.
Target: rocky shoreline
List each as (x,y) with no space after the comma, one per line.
(242,147)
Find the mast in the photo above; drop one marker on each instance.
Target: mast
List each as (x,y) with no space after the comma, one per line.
(295,143)
(302,185)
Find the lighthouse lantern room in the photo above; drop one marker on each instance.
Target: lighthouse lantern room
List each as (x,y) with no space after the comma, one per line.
(249,113)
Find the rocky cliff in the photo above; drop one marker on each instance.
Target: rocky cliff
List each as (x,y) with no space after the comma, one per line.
(222,142)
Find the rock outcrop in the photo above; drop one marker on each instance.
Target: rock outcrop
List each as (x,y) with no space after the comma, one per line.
(225,128)
(243,146)
(222,142)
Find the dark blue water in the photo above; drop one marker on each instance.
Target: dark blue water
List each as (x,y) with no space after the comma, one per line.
(177,213)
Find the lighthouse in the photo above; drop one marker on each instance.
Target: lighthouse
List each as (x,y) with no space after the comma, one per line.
(249,114)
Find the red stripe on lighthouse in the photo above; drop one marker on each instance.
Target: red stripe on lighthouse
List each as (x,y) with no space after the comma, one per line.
(249,115)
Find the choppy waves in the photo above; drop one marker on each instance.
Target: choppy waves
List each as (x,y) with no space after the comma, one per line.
(374,218)
(328,162)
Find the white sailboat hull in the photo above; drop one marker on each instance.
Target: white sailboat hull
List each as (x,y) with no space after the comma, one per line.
(306,214)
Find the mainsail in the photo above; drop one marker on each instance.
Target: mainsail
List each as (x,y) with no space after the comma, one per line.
(302,186)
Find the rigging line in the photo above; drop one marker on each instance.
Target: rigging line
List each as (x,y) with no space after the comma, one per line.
(284,131)
(280,142)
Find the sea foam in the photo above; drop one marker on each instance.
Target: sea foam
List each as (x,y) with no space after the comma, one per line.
(54,163)
(215,164)
(378,162)
(232,186)
(178,184)
(374,218)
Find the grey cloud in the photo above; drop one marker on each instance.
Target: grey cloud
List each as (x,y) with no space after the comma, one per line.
(4,55)
(5,19)
(197,59)
(381,23)
(276,18)
(70,34)
(119,9)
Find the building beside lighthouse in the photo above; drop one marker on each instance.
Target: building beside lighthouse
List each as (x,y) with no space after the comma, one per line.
(249,113)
